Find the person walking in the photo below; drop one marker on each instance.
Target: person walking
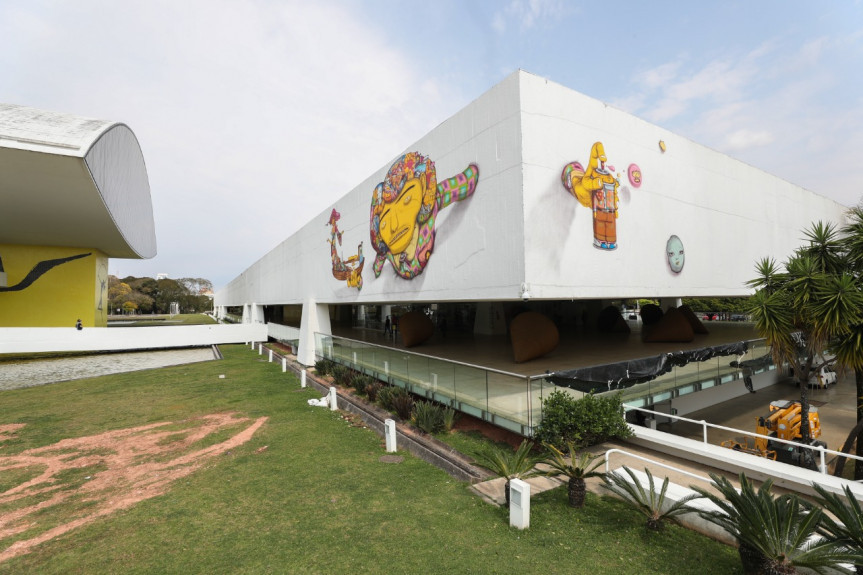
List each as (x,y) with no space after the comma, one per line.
(387,327)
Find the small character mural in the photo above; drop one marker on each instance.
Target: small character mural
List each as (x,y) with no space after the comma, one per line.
(351,269)
(634,173)
(404,210)
(674,252)
(596,188)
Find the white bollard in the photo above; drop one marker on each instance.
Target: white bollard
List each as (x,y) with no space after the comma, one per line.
(387,367)
(252,344)
(519,504)
(334,403)
(355,358)
(303,378)
(270,359)
(390,433)
(284,364)
(260,349)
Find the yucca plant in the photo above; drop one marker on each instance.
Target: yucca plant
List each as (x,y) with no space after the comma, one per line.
(847,528)
(650,502)
(520,464)
(577,467)
(428,416)
(775,533)
(450,416)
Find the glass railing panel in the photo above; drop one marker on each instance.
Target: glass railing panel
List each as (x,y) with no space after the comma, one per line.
(471,388)
(508,398)
(397,368)
(419,378)
(441,375)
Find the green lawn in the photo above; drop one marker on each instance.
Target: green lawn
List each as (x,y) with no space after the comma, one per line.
(317,500)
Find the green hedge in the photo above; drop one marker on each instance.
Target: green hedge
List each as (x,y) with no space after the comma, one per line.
(585,422)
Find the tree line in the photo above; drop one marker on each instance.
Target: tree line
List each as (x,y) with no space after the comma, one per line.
(146,295)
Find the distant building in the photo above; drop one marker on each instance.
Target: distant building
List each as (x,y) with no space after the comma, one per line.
(161,277)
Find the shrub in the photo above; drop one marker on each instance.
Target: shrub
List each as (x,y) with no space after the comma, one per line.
(385,394)
(361,381)
(450,416)
(584,422)
(339,373)
(429,416)
(396,399)
(324,367)
(403,403)
(372,390)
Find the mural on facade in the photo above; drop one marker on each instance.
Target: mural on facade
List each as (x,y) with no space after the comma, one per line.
(674,252)
(404,209)
(38,271)
(351,269)
(596,188)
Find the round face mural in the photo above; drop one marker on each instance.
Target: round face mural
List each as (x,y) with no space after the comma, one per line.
(674,251)
(634,173)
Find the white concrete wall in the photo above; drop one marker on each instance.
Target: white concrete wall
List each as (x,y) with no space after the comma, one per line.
(62,339)
(478,243)
(522,227)
(727,213)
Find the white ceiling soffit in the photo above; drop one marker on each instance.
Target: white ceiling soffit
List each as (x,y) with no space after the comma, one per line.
(72,181)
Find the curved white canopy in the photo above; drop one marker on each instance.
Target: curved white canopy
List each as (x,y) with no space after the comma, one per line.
(71,181)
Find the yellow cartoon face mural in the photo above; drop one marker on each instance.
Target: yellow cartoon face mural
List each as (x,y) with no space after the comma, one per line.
(398,228)
(596,188)
(404,212)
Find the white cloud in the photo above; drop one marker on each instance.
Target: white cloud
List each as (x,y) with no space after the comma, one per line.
(252,116)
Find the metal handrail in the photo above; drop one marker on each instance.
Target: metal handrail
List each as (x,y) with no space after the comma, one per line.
(652,461)
(704,425)
(464,364)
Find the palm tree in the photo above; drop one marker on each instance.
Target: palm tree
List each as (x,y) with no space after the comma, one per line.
(520,464)
(847,528)
(577,468)
(806,306)
(848,348)
(649,502)
(775,534)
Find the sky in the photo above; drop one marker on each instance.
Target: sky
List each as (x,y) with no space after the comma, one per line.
(254,116)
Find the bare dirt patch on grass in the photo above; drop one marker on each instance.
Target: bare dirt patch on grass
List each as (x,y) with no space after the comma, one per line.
(100,474)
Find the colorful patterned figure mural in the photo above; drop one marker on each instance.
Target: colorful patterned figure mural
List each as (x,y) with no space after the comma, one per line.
(351,269)
(404,209)
(596,188)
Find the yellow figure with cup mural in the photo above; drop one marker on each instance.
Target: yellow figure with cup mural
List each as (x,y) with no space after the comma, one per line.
(596,188)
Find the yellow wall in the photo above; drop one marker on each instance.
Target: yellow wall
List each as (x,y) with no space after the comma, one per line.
(73,290)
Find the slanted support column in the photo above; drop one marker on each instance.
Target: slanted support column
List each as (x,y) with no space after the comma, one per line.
(316,318)
(257,313)
(669,302)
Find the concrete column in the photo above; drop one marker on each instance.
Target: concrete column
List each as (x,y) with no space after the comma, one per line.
(316,318)
(668,302)
(256,313)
